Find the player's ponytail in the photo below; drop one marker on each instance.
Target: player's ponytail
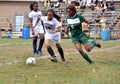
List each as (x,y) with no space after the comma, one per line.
(31,7)
(57,17)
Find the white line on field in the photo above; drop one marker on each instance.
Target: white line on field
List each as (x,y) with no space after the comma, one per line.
(106,49)
(47,56)
(4,44)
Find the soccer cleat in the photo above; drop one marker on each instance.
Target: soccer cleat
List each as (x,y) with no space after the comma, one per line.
(54,59)
(40,53)
(91,63)
(63,59)
(97,44)
(36,54)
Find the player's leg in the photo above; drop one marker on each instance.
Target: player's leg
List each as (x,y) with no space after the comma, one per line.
(57,40)
(35,45)
(48,39)
(41,42)
(60,50)
(84,55)
(50,50)
(88,45)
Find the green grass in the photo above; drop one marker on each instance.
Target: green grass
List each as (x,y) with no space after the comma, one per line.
(76,70)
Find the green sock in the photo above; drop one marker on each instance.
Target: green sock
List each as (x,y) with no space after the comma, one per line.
(86,57)
(92,43)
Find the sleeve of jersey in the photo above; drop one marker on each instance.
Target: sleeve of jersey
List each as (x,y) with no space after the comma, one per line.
(67,23)
(57,24)
(30,15)
(40,13)
(82,19)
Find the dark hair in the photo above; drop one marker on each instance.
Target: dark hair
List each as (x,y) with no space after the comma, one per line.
(54,14)
(72,8)
(32,4)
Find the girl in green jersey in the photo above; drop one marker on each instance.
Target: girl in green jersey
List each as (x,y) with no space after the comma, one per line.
(74,22)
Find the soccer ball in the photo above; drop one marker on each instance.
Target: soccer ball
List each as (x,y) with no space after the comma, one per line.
(31,61)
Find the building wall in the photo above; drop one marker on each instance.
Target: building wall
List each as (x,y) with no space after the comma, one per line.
(10,9)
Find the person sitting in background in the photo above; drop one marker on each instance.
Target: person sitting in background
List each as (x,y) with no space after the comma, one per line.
(92,5)
(96,2)
(73,2)
(10,30)
(47,3)
(57,5)
(104,6)
(103,23)
(97,19)
(88,3)
(99,7)
(112,6)
(83,4)
(77,5)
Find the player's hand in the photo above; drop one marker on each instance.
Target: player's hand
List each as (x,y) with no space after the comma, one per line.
(33,33)
(66,31)
(39,17)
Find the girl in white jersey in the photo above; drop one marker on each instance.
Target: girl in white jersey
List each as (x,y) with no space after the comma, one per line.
(37,27)
(52,34)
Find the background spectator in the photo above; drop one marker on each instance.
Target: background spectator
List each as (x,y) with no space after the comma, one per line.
(92,5)
(77,5)
(57,5)
(83,4)
(99,7)
(47,3)
(112,6)
(88,3)
(73,2)
(96,2)
(104,6)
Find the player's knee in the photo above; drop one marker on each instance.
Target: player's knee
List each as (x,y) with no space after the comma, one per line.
(35,38)
(42,37)
(58,45)
(47,46)
(81,51)
(88,50)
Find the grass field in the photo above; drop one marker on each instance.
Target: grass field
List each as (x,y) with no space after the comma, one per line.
(14,52)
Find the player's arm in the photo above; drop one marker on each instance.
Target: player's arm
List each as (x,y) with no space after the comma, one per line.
(66,31)
(83,20)
(31,26)
(56,30)
(86,21)
(43,26)
(57,26)
(38,19)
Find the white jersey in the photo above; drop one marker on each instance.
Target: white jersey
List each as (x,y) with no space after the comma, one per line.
(34,15)
(49,26)
(39,28)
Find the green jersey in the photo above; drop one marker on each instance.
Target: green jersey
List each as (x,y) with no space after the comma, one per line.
(75,24)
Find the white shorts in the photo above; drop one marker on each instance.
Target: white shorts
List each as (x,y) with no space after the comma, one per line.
(56,37)
(38,30)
